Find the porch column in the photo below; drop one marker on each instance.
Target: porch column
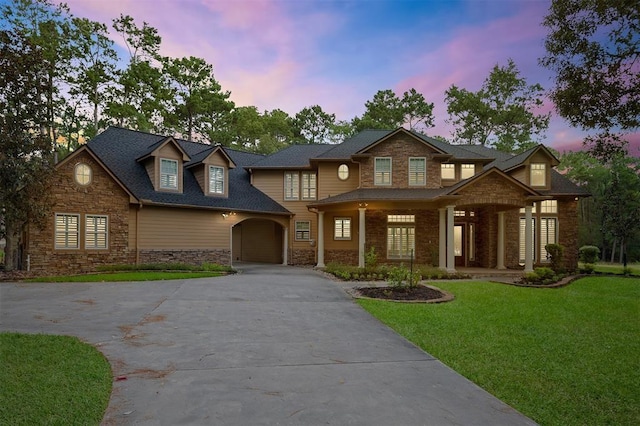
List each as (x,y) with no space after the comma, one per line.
(500,264)
(320,240)
(451,259)
(285,245)
(442,243)
(361,236)
(528,239)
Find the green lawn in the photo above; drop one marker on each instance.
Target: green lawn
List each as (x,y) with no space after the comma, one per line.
(127,276)
(616,268)
(56,380)
(567,356)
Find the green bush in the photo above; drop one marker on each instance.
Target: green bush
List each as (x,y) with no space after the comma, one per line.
(588,268)
(371,259)
(589,254)
(556,253)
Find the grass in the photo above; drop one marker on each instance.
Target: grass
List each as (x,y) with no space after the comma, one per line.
(565,356)
(616,268)
(52,380)
(127,276)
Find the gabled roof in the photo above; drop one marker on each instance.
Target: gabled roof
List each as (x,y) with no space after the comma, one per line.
(454,189)
(383,194)
(292,157)
(158,145)
(208,152)
(118,149)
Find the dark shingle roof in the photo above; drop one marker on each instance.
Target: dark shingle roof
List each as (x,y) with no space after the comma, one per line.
(376,194)
(354,144)
(293,157)
(118,149)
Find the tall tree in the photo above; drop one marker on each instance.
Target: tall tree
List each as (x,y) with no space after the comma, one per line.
(195,95)
(313,124)
(25,151)
(418,114)
(594,46)
(278,131)
(138,99)
(384,111)
(501,113)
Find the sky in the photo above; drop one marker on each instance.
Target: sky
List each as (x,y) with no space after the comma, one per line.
(290,54)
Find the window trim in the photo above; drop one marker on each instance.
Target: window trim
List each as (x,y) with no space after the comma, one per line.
(381,182)
(341,219)
(66,232)
(221,180)
(87,232)
(543,168)
(343,171)
(88,176)
(293,193)
(472,168)
(544,255)
(177,175)
(423,182)
(296,230)
(404,223)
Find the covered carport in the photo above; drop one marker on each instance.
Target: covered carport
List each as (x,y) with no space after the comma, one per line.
(258,240)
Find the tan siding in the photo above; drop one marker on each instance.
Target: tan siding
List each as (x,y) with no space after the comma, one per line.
(271,182)
(152,172)
(132,227)
(330,185)
(521,175)
(329,242)
(199,174)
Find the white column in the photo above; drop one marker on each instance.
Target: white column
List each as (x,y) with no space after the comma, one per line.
(231,246)
(361,236)
(528,239)
(285,245)
(442,243)
(500,264)
(320,240)
(451,260)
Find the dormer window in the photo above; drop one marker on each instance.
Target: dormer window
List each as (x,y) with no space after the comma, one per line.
(216,180)
(538,174)
(168,174)
(467,171)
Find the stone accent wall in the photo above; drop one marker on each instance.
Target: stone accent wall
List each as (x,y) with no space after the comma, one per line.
(400,148)
(568,232)
(103,196)
(302,257)
(344,257)
(512,239)
(191,257)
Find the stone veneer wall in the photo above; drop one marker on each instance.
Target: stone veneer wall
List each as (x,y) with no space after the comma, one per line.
(344,257)
(302,257)
(191,257)
(103,196)
(568,232)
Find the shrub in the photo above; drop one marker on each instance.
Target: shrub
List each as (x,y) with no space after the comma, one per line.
(400,276)
(588,268)
(556,253)
(371,259)
(544,273)
(589,254)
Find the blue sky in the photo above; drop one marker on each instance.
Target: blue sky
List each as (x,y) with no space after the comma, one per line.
(289,54)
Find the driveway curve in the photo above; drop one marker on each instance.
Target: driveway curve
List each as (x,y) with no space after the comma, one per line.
(272,345)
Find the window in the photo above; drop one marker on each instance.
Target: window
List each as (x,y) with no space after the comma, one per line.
(417,171)
(343,172)
(303,230)
(522,239)
(467,170)
(82,174)
(460,213)
(401,236)
(67,231)
(342,228)
(168,174)
(216,180)
(308,186)
(291,185)
(95,232)
(448,171)
(382,171)
(548,235)
(549,206)
(538,174)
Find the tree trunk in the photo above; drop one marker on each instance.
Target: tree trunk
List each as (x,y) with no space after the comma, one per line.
(613,250)
(11,248)
(621,250)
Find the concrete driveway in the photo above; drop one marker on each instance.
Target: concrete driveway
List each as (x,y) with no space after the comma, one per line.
(272,345)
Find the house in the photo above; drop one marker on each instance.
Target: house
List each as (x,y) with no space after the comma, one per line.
(132,197)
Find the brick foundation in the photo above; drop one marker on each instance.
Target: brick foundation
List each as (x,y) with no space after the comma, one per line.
(190,257)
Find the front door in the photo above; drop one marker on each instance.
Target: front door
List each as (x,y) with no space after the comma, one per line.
(459,245)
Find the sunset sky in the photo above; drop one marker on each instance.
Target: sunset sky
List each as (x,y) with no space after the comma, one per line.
(289,54)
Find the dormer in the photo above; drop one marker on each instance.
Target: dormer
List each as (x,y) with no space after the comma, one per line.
(211,169)
(164,162)
(533,167)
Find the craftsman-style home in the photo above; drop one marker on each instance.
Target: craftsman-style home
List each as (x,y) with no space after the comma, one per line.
(132,197)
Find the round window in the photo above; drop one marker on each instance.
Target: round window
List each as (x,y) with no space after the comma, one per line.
(83,174)
(343,172)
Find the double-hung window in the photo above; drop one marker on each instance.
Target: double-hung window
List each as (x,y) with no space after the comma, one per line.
(95,232)
(401,236)
(342,228)
(216,180)
(548,235)
(538,174)
(303,230)
(291,185)
(67,231)
(417,171)
(168,174)
(382,171)
(308,185)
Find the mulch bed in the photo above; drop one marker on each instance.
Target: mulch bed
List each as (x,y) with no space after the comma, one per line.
(419,294)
